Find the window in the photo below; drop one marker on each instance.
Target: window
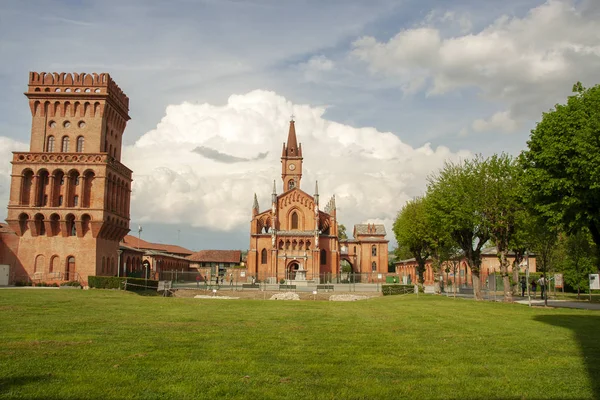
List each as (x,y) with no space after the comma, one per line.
(75,201)
(323,257)
(294,220)
(373,266)
(60,200)
(45,201)
(291,185)
(65,144)
(80,144)
(263,256)
(50,145)
(374,250)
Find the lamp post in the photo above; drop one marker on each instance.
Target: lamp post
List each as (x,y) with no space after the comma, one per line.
(527,277)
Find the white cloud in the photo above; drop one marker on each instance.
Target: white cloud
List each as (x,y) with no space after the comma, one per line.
(316,67)
(371,173)
(500,122)
(528,63)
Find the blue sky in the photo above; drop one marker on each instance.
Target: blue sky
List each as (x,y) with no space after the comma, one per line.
(430,80)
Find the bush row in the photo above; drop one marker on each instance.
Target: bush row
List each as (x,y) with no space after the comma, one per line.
(113,282)
(389,290)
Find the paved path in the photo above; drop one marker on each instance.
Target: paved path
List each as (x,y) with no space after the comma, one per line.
(563,304)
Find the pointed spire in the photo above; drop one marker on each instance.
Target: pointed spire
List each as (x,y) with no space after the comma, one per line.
(274,194)
(291,150)
(317,193)
(255,206)
(274,188)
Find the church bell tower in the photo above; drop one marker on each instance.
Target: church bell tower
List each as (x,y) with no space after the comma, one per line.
(291,160)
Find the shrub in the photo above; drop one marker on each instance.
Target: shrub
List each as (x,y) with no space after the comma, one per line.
(282,281)
(113,282)
(389,290)
(71,283)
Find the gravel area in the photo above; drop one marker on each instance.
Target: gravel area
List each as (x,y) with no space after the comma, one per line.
(201,296)
(266,295)
(285,296)
(347,297)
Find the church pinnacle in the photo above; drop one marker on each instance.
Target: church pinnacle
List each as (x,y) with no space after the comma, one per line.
(291,148)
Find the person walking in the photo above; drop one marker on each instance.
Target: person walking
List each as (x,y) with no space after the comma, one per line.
(542,283)
(533,287)
(231,279)
(523,286)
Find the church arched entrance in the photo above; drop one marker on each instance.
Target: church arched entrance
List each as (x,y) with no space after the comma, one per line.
(292,269)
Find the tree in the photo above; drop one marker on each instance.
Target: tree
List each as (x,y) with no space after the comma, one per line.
(456,196)
(520,242)
(562,164)
(342,235)
(410,229)
(579,259)
(543,243)
(441,246)
(499,177)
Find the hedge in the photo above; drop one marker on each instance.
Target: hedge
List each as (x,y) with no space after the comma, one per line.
(113,282)
(389,290)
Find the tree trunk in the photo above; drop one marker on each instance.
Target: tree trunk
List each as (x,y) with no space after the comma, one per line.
(505,278)
(515,272)
(476,285)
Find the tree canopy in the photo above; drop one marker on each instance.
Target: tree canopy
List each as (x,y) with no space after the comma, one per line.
(562,164)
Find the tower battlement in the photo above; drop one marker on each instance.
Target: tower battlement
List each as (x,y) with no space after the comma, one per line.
(82,84)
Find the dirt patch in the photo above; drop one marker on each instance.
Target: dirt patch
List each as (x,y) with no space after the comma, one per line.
(252,294)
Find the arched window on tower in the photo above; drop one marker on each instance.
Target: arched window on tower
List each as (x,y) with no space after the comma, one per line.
(291,184)
(263,256)
(80,142)
(50,144)
(294,220)
(65,144)
(373,266)
(374,250)
(323,257)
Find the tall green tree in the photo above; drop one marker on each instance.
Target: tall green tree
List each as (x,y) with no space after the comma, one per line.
(411,231)
(579,260)
(542,241)
(562,164)
(456,197)
(441,246)
(499,178)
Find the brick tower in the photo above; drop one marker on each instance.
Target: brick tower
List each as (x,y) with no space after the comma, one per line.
(69,196)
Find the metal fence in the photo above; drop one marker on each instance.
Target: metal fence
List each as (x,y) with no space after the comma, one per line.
(238,279)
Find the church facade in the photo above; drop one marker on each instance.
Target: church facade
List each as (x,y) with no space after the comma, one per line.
(295,234)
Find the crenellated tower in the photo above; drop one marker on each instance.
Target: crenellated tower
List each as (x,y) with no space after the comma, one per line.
(69,198)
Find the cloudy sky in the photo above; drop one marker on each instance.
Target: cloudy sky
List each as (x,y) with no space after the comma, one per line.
(382,91)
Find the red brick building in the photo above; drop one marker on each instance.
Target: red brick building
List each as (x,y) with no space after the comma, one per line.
(296,234)
(69,195)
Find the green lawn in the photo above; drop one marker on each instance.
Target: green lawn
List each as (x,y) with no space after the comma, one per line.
(109,344)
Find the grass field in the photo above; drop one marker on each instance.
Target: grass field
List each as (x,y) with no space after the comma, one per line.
(60,344)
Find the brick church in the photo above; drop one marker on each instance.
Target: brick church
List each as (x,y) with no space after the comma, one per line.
(295,234)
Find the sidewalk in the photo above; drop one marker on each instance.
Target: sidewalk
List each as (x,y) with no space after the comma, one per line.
(584,305)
